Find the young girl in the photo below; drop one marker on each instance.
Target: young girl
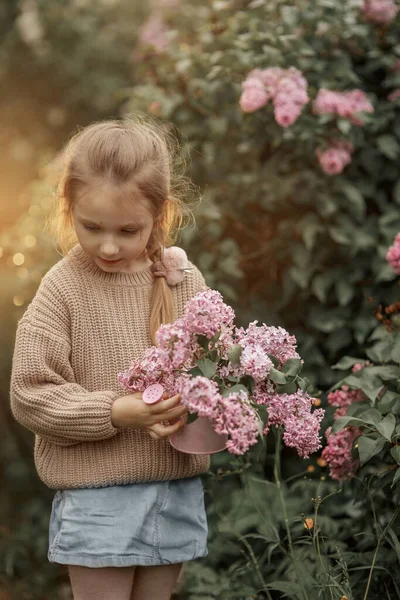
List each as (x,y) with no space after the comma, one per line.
(129,508)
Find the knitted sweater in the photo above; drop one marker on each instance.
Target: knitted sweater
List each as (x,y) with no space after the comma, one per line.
(83,326)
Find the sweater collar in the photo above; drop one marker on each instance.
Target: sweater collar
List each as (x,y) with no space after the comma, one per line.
(143,277)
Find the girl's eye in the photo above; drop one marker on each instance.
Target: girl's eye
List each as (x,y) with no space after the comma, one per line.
(96,229)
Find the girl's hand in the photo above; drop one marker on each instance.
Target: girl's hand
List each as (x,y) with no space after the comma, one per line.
(128,411)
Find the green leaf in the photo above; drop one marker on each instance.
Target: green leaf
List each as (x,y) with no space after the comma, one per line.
(191,417)
(380,352)
(195,371)
(287,388)
(388,145)
(203,341)
(395,452)
(344,126)
(235,388)
(368,417)
(234,354)
(292,367)
(207,367)
(293,589)
(342,422)
(396,192)
(367,448)
(386,426)
(277,376)
(356,200)
(395,480)
(392,534)
(344,291)
(275,361)
(304,383)
(371,416)
(346,362)
(395,354)
(339,235)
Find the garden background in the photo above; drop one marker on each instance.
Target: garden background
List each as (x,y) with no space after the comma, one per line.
(300,204)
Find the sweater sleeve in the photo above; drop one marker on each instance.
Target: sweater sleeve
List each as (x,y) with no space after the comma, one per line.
(45,397)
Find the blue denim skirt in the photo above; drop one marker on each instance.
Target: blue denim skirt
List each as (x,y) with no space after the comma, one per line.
(151,523)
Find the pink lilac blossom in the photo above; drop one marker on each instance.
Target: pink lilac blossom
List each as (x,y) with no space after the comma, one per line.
(206,314)
(287,88)
(358,366)
(336,157)
(254,95)
(293,411)
(177,351)
(148,370)
(154,32)
(379,11)
(271,340)
(200,394)
(338,453)
(395,95)
(343,104)
(393,255)
(255,362)
(176,340)
(236,416)
(342,398)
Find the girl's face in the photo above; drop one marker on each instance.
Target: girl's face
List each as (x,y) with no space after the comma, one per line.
(109,229)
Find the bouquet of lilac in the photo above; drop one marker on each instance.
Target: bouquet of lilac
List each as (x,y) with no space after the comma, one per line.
(243,380)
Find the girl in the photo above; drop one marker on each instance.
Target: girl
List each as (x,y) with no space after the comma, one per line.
(129,508)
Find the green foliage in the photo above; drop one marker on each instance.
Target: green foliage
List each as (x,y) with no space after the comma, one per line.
(306,250)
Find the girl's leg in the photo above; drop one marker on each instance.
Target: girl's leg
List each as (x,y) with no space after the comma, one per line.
(105,583)
(155,583)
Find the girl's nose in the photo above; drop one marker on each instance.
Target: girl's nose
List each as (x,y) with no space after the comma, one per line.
(109,248)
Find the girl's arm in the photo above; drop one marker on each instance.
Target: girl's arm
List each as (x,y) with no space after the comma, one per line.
(45,397)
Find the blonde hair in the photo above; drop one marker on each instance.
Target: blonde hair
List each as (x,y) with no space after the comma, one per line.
(139,151)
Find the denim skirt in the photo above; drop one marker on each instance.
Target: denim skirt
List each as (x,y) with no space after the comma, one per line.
(151,523)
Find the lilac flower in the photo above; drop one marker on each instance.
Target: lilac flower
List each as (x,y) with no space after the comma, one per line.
(176,340)
(379,11)
(338,453)
(254,95)
(293,411)
(206,313)
(255,362)
(344,104)
(154,32)
(272,340)
(200,394)
(395,95)
(154,367)
(235,415)
(334,159)
(342,398)
(393,254)
(178,351)
(286,87)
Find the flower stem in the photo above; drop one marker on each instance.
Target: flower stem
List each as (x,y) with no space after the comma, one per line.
(277,475)
(257,568)
(316,536)
(380,538)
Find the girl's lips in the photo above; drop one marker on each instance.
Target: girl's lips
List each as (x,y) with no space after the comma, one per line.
(109,262)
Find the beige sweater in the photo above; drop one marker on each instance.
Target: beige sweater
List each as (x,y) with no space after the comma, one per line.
(83,327)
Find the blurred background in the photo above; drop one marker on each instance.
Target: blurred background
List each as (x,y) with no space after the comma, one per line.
(301,198)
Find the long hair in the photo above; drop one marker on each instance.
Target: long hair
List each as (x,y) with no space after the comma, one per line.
(137,151)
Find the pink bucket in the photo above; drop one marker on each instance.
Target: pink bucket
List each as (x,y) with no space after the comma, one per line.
(198,437)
